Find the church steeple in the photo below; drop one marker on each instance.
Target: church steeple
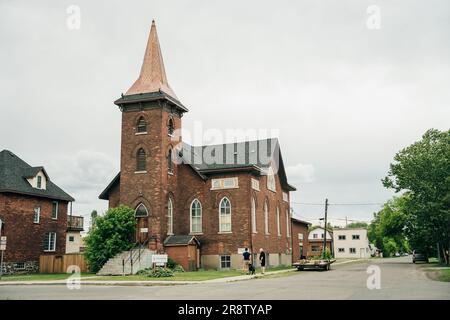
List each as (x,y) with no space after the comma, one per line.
(152,77)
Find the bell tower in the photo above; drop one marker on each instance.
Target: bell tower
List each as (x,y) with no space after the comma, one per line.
(151,113)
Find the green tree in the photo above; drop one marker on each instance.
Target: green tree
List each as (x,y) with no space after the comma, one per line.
(357,224)
(111,234)
(423,171)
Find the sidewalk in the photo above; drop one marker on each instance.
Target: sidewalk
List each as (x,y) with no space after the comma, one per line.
(89,280)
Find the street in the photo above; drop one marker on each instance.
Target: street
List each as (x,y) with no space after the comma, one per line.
(400,279)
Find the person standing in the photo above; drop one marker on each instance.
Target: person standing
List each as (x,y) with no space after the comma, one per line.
(262,260)
(246,263)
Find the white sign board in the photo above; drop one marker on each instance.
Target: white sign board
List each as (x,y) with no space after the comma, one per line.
(159,259)
(2,243)
(144,230)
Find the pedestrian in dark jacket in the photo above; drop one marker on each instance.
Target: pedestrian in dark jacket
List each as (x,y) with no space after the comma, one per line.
(262,260)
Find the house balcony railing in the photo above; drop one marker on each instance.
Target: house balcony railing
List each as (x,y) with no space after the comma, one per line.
(75,223)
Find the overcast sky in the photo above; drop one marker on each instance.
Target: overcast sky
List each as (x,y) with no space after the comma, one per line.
(344,98)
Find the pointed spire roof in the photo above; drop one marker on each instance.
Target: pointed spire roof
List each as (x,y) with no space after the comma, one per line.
(153,75)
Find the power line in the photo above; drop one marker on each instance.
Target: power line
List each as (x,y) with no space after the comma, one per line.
(339,204)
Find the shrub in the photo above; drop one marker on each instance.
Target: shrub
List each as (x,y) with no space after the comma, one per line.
(109,236)
(171,263)
(178,268)
(158,272)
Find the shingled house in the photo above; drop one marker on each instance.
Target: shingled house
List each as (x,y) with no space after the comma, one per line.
(33,211)
(220,198)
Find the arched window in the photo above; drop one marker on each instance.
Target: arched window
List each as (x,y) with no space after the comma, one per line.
(196,216)
(141,125)
(170,126)
(278,223)
(141,211)
(170,217)
(140,160)
(169,161)
(288,223)
(254,216)
(225,215)
(266,218)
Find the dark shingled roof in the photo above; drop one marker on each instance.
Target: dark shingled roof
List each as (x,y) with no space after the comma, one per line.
(253,156)
(180,240)
(13,178)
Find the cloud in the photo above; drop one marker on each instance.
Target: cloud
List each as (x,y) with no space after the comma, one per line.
(304,173)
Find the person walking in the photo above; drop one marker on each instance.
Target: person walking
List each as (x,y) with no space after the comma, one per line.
(246,261)
(262,260)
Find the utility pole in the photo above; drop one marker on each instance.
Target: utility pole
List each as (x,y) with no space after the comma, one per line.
(325,233)
(346,221)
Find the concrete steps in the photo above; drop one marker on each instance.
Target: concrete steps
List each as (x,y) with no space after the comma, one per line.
(114,265)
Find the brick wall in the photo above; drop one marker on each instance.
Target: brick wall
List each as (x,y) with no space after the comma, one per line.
(299,228)
(25,238)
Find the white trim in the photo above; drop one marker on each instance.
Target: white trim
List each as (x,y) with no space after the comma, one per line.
(54,242)
(170,217)
(201,217)
(221,183)
(141,171)
(38,214)
(143,205)
(266,218)
(140,133)
(57,209)
(221,216)
(253,216)
(278,223)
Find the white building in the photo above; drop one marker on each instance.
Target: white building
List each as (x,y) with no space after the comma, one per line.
(351,243)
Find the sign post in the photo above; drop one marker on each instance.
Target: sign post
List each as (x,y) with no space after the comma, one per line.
(2,248)
(159,260)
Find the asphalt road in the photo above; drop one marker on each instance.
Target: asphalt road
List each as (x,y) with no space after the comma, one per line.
(400,279)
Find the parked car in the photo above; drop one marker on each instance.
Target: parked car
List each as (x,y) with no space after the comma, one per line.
(397,254)
(419,256)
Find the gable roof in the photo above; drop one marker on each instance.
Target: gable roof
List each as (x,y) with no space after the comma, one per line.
(180,240)
(251,156)
(14,173)
(295,220)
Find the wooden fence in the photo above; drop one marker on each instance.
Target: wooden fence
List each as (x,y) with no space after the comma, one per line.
(61,263)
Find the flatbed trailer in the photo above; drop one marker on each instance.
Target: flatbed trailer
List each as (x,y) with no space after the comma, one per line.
(313,264)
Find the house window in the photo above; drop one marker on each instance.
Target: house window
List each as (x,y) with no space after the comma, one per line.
(170,216)
(71,238)
(141,211)
(39,182)
(278,223)
(196,216)
(169,162)
(300,237)
(321,235)
(352,250)
(266,218)
(315,236)
(285,197)
(170,127)
(225,262)
(355,237)
(141,125)
(50,241)
(225,215)
(37,214)
(253,216)
(341,237)
(55,210)
(140,160)
(315,248)
(288,225)
(341,250)
(225,183)
(255,184)
(271,180)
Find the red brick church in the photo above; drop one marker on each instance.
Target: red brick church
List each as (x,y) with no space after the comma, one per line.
(203,204)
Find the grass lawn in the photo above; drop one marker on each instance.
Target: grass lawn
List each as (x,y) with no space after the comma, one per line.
(42,276)
(439,274)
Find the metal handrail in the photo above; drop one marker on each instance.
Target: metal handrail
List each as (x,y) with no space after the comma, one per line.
(139,246)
